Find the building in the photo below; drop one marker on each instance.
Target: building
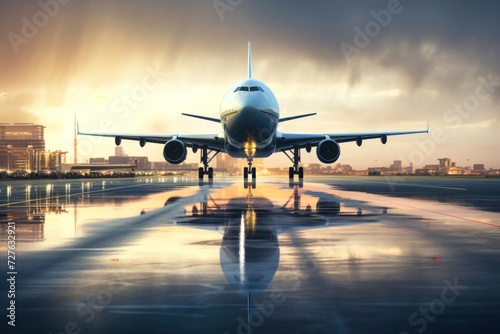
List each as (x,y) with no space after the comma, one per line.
(121,158)
(119,152)
(45,160)
(168,167)
(313,169)
(223,162)
(409,169)
(397,166)
(339,169)
(142,162)
(98,161)
(15,141)
(445,167)
(378,170)
(478,167)
(445,162)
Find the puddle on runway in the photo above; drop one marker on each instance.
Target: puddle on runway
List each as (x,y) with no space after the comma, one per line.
(50,214)
(318,259)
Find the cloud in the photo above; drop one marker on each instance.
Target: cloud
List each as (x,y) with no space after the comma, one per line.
(95,47)
(17,109)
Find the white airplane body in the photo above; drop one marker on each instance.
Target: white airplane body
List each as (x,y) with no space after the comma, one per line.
(249,115)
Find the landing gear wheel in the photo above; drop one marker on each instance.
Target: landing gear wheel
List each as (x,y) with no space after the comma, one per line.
(200,172)
(245,173)
(254,173)
(301,172)
(290,172)
(210,173)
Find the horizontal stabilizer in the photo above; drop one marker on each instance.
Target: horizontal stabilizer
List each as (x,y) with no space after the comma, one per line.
(206,118)
(289,118)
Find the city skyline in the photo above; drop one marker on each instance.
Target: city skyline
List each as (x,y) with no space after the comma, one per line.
(135,67)
(22,149)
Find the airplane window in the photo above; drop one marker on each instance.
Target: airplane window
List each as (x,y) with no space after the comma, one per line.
(237,88)
(254,89)
(260,88)
(245,89)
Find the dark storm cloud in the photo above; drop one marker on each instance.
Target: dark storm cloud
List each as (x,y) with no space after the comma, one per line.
(84,35)
(462,31)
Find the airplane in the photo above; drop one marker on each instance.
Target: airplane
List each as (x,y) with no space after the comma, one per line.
(249,115)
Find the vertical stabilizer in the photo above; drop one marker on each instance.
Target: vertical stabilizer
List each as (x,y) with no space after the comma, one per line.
(249,60)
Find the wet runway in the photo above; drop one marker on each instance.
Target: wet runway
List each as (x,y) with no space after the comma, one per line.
(331,255)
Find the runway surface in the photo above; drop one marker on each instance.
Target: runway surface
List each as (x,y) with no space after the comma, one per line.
(331,255)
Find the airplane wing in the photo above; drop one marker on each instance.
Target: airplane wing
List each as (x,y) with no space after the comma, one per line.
(289,118)
(212,141)
(286,141)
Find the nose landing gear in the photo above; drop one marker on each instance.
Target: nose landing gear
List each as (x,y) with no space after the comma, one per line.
(250,148)
(249,170)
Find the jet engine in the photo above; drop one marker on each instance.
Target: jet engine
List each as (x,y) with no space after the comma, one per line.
(174,151)
(328,151)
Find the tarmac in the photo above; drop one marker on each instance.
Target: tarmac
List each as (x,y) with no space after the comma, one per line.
(327,255)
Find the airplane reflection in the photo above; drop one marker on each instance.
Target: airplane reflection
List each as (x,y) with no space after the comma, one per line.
(251,222)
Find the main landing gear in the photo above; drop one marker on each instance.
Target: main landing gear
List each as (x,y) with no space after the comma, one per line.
(295,159)
(205,160)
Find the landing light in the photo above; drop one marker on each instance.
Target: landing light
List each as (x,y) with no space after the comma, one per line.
(250,148)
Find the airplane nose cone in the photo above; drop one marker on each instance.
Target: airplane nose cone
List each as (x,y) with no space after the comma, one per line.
(249,113)
(250,121)
(249,118)
(248,125)
(249,100)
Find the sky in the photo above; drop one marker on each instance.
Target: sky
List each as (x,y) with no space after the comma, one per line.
(363,66)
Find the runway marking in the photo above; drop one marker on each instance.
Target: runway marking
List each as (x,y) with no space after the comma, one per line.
(411,185)
(68,195)
(452,216)
(418,185)
(370,197)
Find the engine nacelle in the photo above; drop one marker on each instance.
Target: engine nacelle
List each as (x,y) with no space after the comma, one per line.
(174,151)
(328,151)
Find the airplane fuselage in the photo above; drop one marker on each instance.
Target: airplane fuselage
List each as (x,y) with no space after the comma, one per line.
(249,115)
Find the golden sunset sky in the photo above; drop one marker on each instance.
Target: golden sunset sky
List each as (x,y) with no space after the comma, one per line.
(135,66)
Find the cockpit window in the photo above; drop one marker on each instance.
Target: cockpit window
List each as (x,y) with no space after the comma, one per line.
(251,89)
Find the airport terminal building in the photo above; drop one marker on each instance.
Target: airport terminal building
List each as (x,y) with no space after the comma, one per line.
(22,147)
(15,141)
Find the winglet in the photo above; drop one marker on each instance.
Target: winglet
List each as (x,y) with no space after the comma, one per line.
(249,60)
(77,128)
